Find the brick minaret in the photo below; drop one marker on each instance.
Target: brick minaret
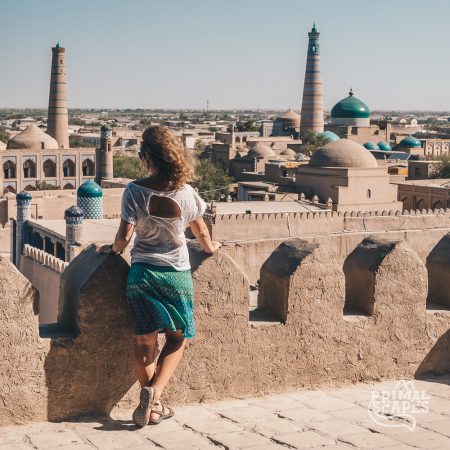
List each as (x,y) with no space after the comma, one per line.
(57,125)
(312,104)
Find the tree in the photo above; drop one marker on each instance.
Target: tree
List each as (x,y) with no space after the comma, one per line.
(249,125)
(43,186)
(128,167)
(78,142)
(4,136)
(200,145)
(442,170)
(211,181)
(311,141)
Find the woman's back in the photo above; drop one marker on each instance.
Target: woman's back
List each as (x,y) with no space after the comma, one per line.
(160,218)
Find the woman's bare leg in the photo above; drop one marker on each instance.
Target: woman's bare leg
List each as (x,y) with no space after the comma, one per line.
(168,361)
(145,349)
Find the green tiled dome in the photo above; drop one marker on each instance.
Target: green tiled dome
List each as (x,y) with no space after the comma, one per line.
(90,189)
(371,146)
(329,136)
(410,142)
(384,146)
(350,108)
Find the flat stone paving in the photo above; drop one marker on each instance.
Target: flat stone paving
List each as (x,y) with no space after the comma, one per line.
(344,418)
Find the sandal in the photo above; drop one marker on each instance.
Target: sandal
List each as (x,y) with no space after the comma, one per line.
(141,414)
(160,413)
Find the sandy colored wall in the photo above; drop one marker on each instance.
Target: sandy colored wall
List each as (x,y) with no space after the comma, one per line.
(251,255)
(52,204)
(313,345)
(46,282)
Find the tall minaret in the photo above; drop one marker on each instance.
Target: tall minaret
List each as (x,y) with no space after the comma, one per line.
(312,104)
(57,125)
(105,154)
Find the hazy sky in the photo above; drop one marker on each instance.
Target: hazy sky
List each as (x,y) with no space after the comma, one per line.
(236,53)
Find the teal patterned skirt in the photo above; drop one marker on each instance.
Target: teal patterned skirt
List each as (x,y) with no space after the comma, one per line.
(161,298)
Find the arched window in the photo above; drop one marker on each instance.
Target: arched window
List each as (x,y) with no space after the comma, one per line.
(369,193)
(88,168)
(49,168)
(69,186)
(9,189)
(9,170)
(68,168)
(29,169)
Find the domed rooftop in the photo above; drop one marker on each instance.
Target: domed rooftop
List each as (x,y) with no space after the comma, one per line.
(410,142)
(288,152)
(90,189)
(33,138)
(343,153)
(371,146)
(329,136)
(290,115)
(261,151)
(384,146)
(350,107)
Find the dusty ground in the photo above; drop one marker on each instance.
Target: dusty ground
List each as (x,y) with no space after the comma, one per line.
(327,419)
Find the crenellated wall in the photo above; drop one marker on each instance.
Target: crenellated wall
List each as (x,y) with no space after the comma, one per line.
(340,232)
(44,272)
(304,288)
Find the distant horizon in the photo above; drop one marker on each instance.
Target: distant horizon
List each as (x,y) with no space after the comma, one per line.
(238,55)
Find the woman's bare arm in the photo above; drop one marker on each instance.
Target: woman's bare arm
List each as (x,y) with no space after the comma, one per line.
(123,238)
(202,235)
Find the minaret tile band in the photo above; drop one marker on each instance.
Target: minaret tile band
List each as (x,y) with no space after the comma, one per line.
(57,125)
(312,104)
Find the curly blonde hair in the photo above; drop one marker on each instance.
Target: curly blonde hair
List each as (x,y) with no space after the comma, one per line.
(168,155)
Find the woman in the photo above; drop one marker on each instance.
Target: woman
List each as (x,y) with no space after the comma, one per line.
(159,285)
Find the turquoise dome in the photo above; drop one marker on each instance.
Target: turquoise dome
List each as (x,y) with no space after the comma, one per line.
(371,146)
(384,146)
(90,189)
(350,108)
(329,136)
(410,142)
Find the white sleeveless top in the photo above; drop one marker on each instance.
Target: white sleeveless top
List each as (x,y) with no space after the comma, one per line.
(160,241)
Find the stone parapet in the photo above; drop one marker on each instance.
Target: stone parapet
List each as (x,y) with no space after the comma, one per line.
(312,340)
(44,258)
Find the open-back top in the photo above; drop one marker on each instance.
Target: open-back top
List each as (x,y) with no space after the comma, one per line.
(160,240)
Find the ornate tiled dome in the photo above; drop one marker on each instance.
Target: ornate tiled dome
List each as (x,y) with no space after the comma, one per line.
(350,107)
(371,146)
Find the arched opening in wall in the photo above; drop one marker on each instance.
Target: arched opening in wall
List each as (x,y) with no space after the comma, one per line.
(29,169)
(88,168)
(369,193)
(437,205)
(29,187)
(359,285)
(49,168)
(9,170)
(69,186)
(68,168)
(438,268)
(420,204)
(9,189)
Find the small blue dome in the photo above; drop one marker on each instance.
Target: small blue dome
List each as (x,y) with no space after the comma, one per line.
(371,146)
(329,136)
(410,142)
(384,146)
(90,189)
(73,211)
(23,195)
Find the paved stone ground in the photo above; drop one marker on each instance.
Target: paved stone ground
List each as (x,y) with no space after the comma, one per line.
(327,419)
